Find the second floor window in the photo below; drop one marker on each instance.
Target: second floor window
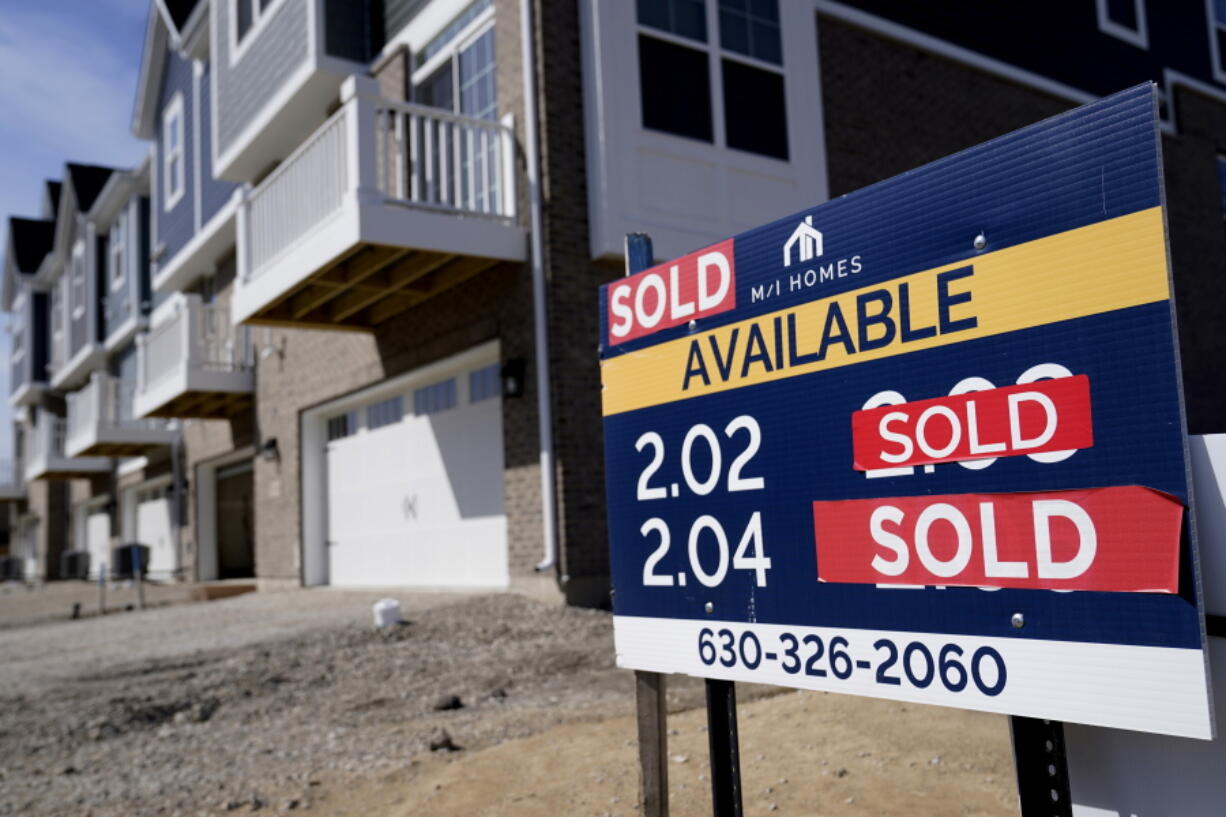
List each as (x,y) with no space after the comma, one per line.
(248,14)
(174,165)
(699,59)
(76,295)
(118,258)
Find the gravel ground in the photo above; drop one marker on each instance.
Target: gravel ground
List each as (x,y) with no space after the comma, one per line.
(266,701)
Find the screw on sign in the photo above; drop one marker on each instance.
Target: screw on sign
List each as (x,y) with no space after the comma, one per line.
(934,478)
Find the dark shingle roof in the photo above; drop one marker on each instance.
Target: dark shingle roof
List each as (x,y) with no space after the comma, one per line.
(87,183)
(53,191)
(32,240)
(180,10)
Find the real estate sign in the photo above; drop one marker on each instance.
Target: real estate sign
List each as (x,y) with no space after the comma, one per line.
(922,442)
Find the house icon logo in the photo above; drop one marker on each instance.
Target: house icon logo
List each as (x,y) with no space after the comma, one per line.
(809,240)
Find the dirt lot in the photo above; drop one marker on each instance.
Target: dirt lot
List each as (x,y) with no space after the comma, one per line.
(291,702)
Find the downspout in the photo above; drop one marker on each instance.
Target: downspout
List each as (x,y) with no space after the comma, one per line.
(540,324)
(180,501)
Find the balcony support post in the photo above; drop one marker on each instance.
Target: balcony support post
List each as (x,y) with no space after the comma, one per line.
(359,96)
(506,154)
(242,228)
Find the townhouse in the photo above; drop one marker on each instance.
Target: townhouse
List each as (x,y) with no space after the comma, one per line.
(360,264)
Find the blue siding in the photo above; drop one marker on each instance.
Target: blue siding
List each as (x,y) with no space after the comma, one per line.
(213,192)
(175,228)
(243,89)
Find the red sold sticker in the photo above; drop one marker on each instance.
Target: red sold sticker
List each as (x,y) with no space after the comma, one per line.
(1030,418)
(693,286)
(1123,539)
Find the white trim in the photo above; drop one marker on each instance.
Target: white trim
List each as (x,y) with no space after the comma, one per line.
(208,564)
(169,275)
(197,165)
(462,39)
(170,195)
(1138,36)
(130,465)
(257,124)
(259,19)
(122,334)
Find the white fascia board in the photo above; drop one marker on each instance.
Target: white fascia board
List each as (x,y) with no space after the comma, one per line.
(92,356)
(149,79)
(123,334)
(199,254)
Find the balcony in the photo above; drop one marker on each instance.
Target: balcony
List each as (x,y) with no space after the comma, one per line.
(102,421)
(384,206)
(12,486)
(195,363)
(45,454)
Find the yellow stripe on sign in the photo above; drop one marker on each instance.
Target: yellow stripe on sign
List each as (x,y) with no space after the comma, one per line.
(1110,265)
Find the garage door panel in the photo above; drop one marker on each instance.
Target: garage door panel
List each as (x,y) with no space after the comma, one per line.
(153,529)
(419,502)
(467,445)
(98,541)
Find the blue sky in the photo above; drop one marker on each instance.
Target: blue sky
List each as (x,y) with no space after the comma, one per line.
(68,70)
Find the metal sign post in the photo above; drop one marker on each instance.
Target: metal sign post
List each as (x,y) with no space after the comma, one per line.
(1042,767)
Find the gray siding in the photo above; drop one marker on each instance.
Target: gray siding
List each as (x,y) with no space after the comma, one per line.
(214,193)
(351,31)
(244,88)
(398,13)
(175,228)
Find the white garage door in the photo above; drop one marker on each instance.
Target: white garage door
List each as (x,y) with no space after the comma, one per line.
(98,541)
(153,528)
(415,487)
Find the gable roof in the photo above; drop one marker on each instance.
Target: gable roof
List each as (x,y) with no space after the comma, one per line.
(51,199)
(30,240)
(149,80)
(170,25)
(180,12)
(87,182)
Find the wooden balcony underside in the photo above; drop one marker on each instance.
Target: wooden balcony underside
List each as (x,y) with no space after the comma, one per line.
(205,405)
(103,448)
(370,285)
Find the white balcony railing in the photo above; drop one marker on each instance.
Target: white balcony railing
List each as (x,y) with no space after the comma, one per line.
(45,448)
(382,151)
(196,349)
(103,412)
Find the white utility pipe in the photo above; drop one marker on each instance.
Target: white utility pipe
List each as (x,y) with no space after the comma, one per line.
(540,319)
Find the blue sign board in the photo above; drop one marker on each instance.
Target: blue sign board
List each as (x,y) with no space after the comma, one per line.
(922,442)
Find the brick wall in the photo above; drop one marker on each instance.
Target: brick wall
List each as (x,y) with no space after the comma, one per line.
(573,283)
(889,107)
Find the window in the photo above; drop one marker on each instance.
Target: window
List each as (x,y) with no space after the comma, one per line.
(684,69)
(456,72)
(384,413)
(117,258)
(76,294)
(17,333)
(342,426)
(248,17)
(1125,20)
(435,398)
(685,18)
(174,166)
(1217,37)
(484,383)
